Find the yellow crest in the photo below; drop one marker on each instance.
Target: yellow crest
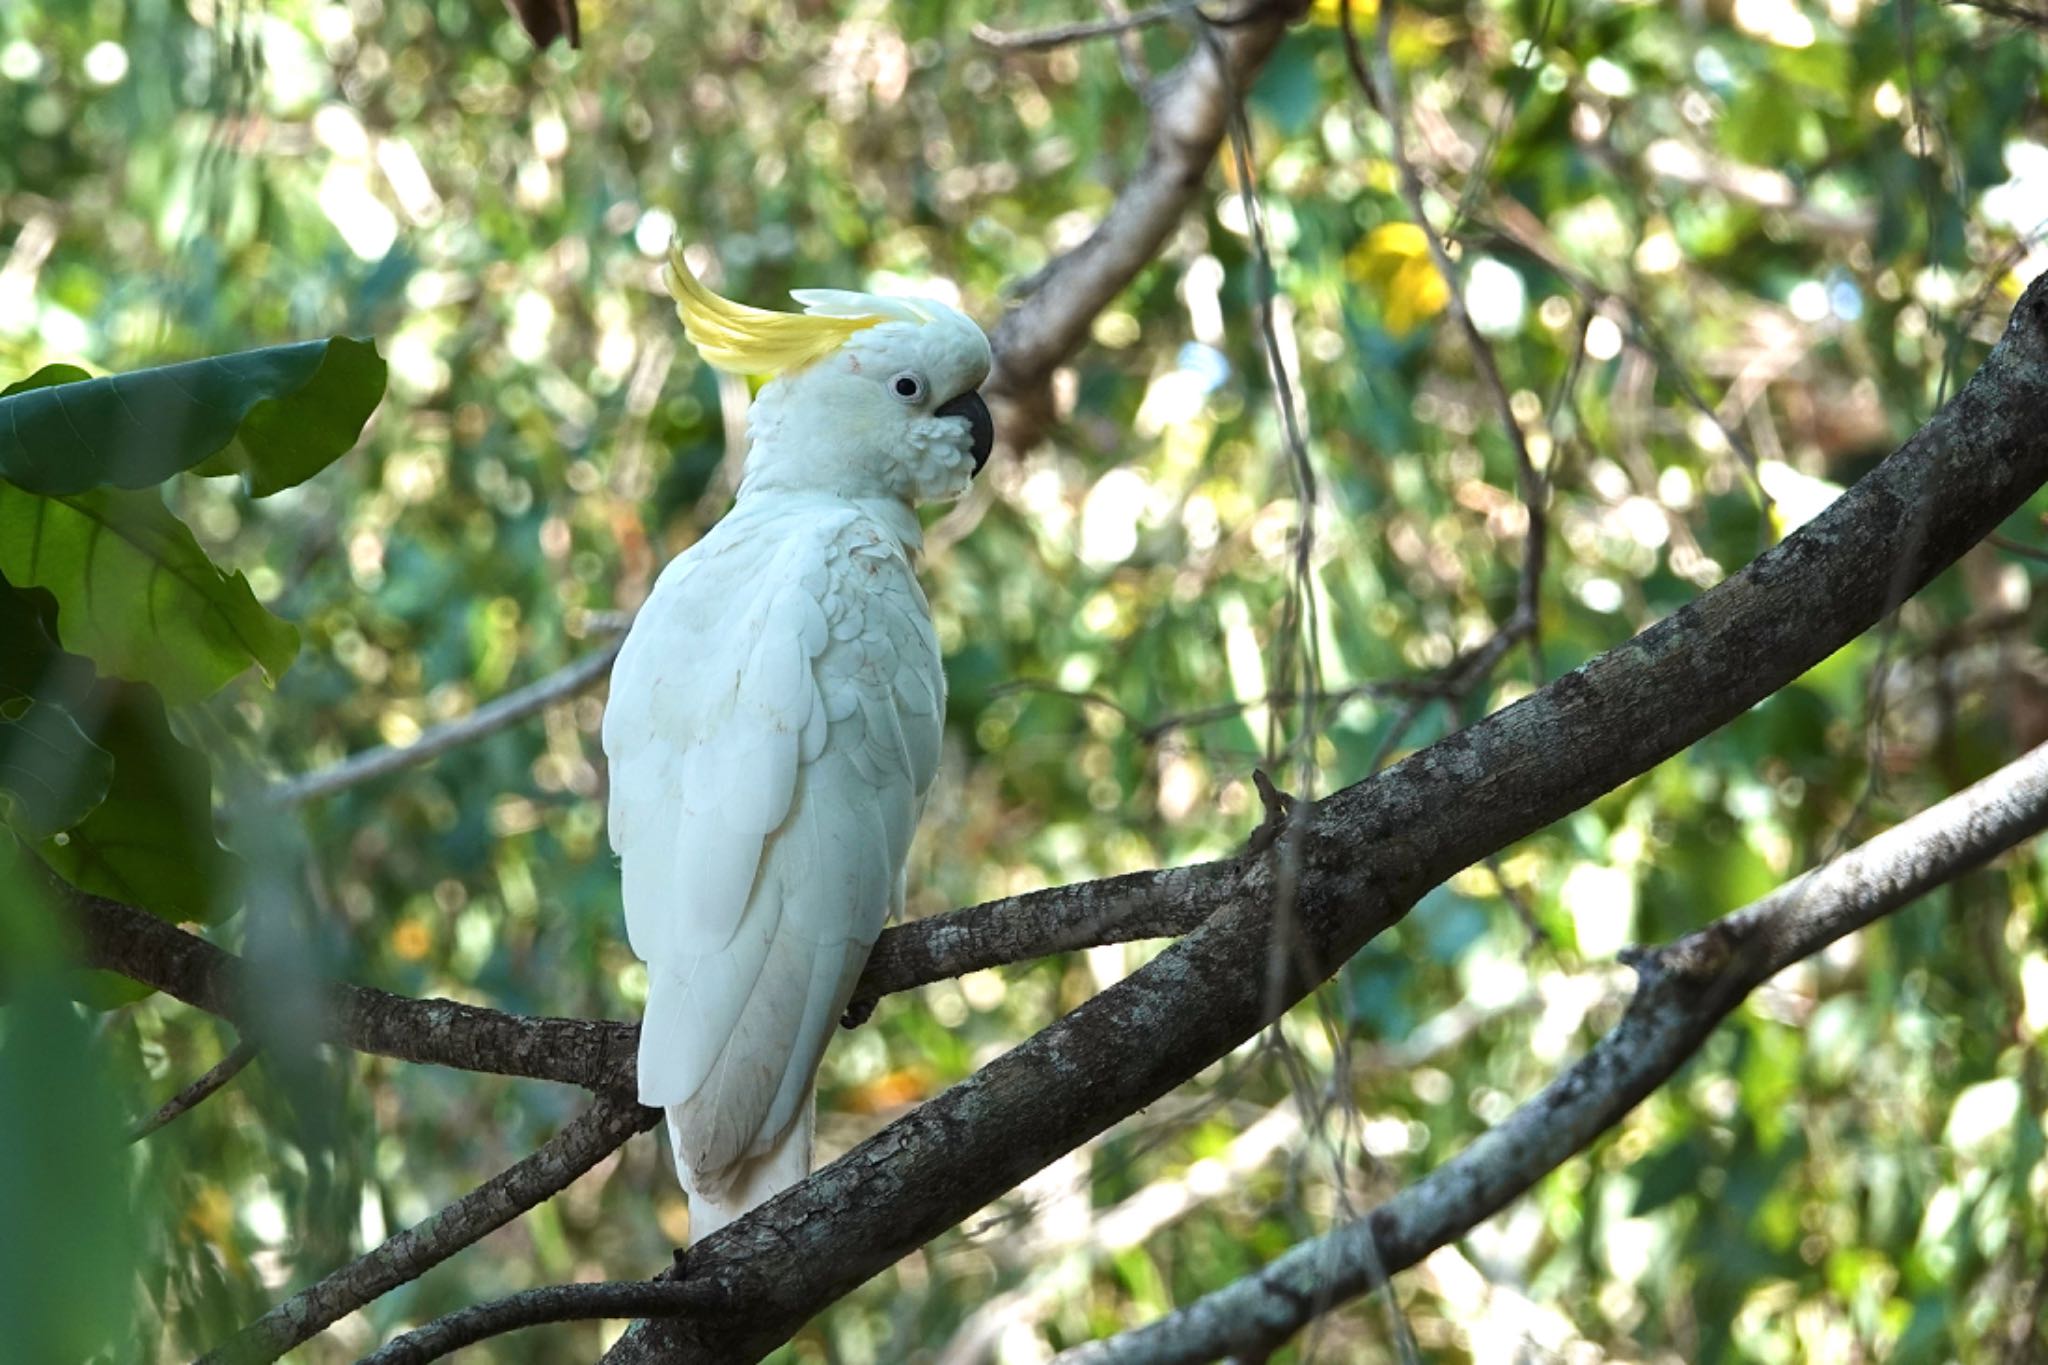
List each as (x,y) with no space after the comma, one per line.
(744,340)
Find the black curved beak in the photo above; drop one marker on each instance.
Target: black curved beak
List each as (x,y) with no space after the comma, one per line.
(979,424)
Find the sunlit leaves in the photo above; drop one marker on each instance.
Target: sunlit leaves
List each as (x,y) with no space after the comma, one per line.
(134,591)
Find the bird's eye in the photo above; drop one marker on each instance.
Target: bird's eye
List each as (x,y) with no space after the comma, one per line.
(908,387)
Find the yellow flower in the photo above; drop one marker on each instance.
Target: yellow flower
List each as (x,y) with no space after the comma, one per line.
(1394,262)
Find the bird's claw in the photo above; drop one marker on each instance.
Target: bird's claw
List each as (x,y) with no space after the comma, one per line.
(1279,809)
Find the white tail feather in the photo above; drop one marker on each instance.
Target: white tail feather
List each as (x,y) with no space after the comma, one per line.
(751,1183)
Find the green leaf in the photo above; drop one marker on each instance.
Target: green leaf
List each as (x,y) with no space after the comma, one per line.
(51,774)
(276,416)
(150,842)
(136,594)
(1668,1174)
(46,376)
(65,1296)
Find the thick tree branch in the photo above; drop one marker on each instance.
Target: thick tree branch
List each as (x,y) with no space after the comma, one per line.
(1369,851)
(1190,107)
(593,1135)
(1685,990)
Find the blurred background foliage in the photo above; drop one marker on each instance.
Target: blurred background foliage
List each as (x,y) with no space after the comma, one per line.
(1718,246)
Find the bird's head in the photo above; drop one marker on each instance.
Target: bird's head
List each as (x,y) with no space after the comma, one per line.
(866,396)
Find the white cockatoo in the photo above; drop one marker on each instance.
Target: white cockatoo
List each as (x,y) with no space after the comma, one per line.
(775,717)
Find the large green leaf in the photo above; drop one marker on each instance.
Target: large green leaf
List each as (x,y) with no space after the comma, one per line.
(51,773)
(276,416)
(150,842)
(136,594)
(148,836)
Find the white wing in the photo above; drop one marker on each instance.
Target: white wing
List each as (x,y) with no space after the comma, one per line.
(773,725)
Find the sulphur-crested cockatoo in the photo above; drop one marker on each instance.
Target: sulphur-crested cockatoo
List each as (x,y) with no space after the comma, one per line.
(775,717)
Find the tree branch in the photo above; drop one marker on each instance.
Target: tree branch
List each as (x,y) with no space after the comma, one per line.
(593,1135)
(218,1075)
(1045,39)
(488,719)
(1686,989)
(1369,852)
(532,1308)
(1120,909)
(599,1054)
(1190,106)
(595,1054)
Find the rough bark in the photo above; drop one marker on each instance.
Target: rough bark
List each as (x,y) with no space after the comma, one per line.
(593,1053)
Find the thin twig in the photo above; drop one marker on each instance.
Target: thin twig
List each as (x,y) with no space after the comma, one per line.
(1526,70)
(1150,730)
(1130,51)
(589,1138)
(2018,547)
(1048,1248)
(533,1307)
(218,1075)
(1301,658)
(1518,227)
(1519,903)
(2019,14)
(1045,39)
(488,719)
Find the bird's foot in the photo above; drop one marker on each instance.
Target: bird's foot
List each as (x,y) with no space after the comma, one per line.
(1279,809)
